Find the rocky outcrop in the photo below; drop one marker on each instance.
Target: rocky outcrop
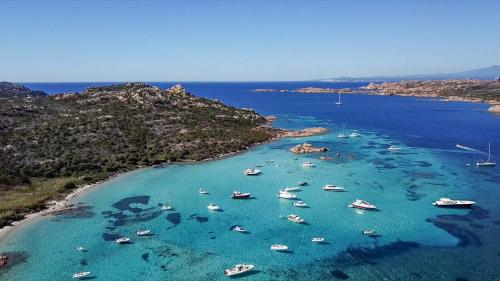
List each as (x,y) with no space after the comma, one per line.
(3,261)
(303,133)
(307,148)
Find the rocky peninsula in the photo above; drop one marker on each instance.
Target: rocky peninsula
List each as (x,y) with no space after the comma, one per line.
(302,133)
(307,148)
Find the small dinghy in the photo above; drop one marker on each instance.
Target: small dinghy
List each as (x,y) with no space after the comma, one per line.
(238,269)
(213,207)
(279,247)
(299,204)
(166,207)
(302,183)
(318,240)
(238,228)
(123,240)
(203,191)
(82,274)
(143,232)
(369,232)
(81,249)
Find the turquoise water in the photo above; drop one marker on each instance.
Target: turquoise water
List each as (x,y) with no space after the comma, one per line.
(417,241)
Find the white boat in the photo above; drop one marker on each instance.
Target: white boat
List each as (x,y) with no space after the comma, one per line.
(252,172)
(308,164)
(393,148)
(449,203)
(354,134)
(369,232)
(238,228)
(292,188)
(238,269)
(122,240)
(488,162)
(286,195)
(339,102)
(318,239)
(213,207)
(331,187)
(81,249)
(143,232)
(279,247)
(203,191)
(302,183)
(166,207)
(342,136)
(269,161)
(361,204)
(295,218)
(299,204)
(79,275)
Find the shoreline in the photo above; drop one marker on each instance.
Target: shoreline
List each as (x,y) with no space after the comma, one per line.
(57,206)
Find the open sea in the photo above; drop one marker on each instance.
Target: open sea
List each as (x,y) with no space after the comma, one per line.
(416,241)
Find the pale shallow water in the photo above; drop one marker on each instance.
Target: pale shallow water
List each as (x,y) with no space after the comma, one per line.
(192,243)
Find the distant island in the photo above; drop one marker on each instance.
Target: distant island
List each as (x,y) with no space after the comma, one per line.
(51,145)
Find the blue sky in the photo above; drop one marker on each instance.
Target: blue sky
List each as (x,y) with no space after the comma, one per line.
(242,40)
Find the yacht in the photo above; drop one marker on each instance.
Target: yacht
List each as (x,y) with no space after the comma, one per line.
(213,207)
(238,228)
(143,232)
(240,195)
(166,207)
(299,204)
(338,102)
(252,172)
(361,204)
(393,148)
(83,274)
(354,134)
(308,164)
(488,162)
(286,195)
(449,203)
(318,239)
(291,188)
(81,249)
(302,183)
(203,191)
(238,269)
(369,232)
(331,187)
(122,240)
(279,247)
(295,218)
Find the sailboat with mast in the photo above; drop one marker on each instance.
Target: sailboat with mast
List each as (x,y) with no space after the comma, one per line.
(339,102)
(488,162)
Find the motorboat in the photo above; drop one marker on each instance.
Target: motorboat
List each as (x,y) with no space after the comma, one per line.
(166,207)
(143,232)
(331,187)
(308,164)
(213,207)
(449,203)
(318,239)
(393,148)
(269,161)
(122,240)
(240,195)
(342,136)
(369,232)
(302,183)
(300,204)
(295,218)
(488,162)
(286,195)
(354,134)
(361,204)
(325,158)
(203,191)
(238,269)
(82,274)
(252,172)
(279,247)
(292,188)
(81,249)
(238,228)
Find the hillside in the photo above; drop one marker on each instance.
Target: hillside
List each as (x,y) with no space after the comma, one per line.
(49,144)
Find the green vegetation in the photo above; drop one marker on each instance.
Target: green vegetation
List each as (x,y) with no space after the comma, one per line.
(105,130)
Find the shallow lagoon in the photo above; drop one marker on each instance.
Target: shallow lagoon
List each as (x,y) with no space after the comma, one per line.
(417,242)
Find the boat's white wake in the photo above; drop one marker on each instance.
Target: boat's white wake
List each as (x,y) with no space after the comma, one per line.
(471,149)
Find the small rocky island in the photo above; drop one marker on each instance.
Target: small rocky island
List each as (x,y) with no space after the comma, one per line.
(307,148)
(302,133)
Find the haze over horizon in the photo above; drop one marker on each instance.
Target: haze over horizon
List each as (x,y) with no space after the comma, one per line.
(57,41)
